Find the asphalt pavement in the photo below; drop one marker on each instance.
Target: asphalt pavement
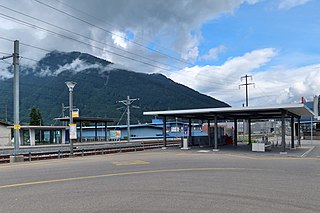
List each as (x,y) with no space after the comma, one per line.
(171,180)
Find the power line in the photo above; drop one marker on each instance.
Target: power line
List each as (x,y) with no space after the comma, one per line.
(103,21)
(109,32)
(86,37)
(82,42)
(5,53)
(5,62)
(207,79)
(203,77)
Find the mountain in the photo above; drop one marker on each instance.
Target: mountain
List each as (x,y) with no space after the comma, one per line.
(99,87)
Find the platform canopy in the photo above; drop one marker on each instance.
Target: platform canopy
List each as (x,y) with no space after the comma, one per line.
(87,119)
(268,112)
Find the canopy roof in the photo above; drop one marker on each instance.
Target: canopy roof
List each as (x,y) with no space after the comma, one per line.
(295,110)
(87,119)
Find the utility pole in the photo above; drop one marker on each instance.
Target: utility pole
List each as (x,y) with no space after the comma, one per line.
(16,121)
(128,103)
(246,84)
(6,109)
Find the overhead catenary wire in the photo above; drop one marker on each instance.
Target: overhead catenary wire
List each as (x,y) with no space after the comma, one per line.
(86,37)
(207,79)
(46,50)
(63,36)
(111,25)
(83,12)
(82,42)
(109,32)
(47,63)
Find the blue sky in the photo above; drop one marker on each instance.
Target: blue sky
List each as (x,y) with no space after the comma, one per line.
(204,44)
(293,32)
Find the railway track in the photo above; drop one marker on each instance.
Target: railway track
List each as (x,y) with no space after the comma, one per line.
(81,150)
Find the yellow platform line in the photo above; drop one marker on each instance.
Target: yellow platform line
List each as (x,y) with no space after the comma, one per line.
(122,174)
(128,163)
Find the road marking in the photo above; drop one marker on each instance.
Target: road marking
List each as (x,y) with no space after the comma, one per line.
(124,174)
(271,157)
(128,163)
(54,161)
(203,151)
(307,152)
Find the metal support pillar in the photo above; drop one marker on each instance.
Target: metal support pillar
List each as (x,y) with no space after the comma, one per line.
(298,133)
(235,133)
(95,131)
(283,132)
(209,134)
(215,132)
(190,133)
(106,131)
(80,131)
(164,131)
(249,131)
(292,132)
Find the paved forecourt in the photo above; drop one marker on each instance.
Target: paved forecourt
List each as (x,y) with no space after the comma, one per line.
(163,181)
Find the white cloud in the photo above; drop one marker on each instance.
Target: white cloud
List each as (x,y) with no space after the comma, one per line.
(213,53)
(272,86)
(75,66)
(288,4)
(175,25)
(5,74)
(119,39)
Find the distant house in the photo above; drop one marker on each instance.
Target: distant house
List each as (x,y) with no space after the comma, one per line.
(5,134)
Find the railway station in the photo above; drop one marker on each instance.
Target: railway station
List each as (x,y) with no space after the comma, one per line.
(292,112)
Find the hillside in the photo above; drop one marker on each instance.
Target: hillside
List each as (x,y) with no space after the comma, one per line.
(97,90)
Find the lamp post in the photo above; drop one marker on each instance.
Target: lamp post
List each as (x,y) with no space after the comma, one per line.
(70,85)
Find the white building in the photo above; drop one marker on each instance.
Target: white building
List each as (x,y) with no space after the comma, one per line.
(5,134)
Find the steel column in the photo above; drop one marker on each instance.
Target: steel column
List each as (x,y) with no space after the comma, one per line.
(235,133)
(249,130)
(292,132)
(283,132)
(215,132)
(209,134)
(95,131)
(298,134)
(189,133)
(80,131)
(164,131)
(106,131)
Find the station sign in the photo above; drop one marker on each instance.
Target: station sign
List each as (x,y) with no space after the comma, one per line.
(75,113)
(73,131)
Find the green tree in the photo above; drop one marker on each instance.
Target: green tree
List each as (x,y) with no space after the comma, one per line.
(35,117)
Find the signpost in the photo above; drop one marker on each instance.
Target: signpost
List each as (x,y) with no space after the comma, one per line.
(115,134)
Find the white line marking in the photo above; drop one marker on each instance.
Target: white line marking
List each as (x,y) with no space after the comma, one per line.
(307,152)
